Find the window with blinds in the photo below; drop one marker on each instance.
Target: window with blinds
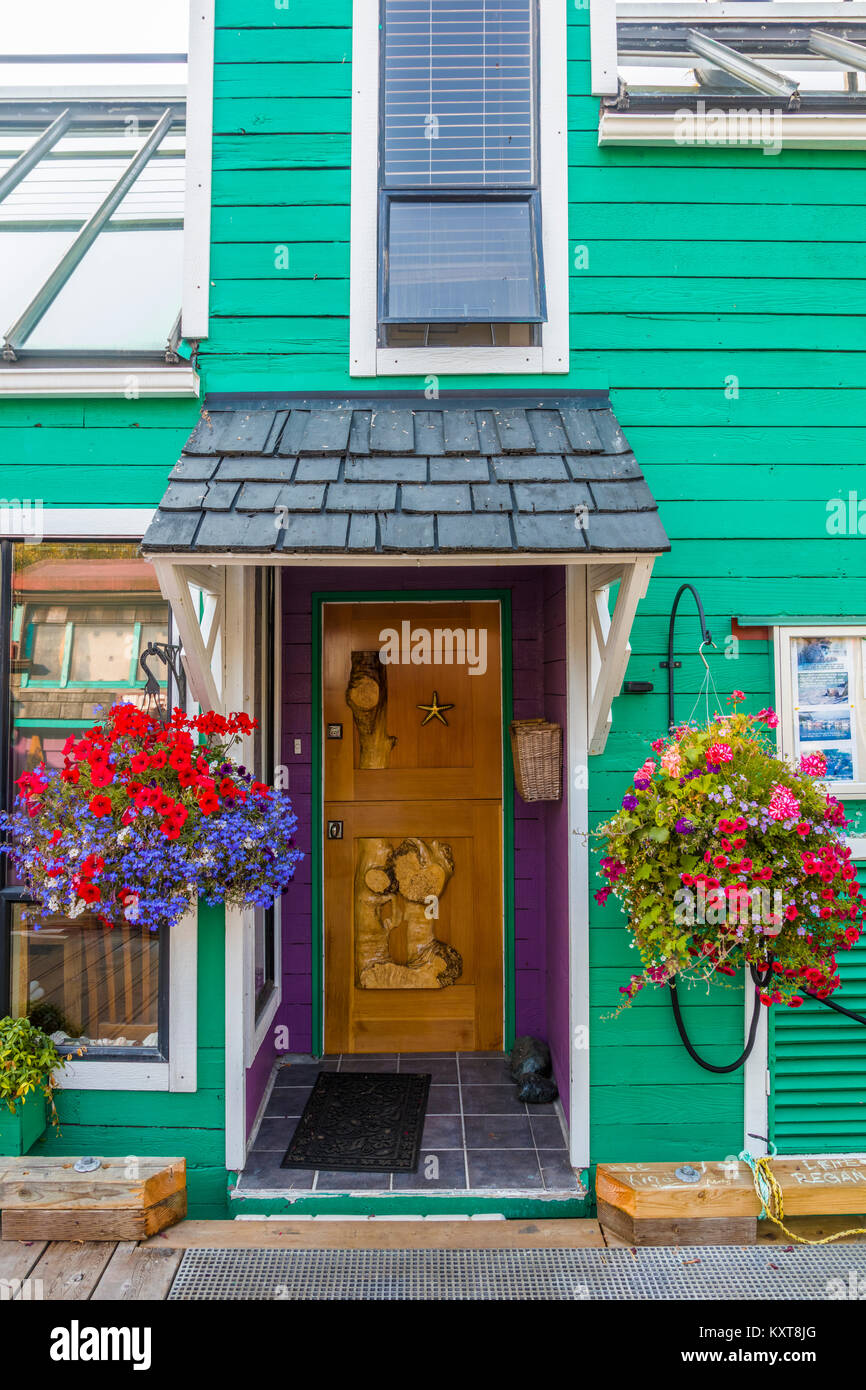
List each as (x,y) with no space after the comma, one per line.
(459,206)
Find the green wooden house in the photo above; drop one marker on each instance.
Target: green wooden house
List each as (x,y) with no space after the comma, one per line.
(500,322)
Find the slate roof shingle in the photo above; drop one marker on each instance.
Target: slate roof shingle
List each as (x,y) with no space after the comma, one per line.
(541,474)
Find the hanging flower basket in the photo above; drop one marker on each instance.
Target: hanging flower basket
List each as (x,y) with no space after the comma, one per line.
(144,818)
(722,855)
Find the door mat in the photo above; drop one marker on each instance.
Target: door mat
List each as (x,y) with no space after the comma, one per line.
(361,1122)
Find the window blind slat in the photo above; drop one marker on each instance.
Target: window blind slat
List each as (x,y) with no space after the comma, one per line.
(458,93)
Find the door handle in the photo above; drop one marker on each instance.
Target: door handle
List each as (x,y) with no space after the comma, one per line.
(335,830)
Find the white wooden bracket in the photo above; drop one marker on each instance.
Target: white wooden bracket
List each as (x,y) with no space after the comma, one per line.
(609,648)
(196,594)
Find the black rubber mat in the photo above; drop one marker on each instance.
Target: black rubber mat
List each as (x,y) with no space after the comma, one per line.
(361,1122)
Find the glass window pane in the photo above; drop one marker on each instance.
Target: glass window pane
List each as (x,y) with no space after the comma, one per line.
(79,981)
(459,92)
(100,652)
(47,643)
(457,261)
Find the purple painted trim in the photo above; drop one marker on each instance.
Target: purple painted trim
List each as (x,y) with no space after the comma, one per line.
(540,831)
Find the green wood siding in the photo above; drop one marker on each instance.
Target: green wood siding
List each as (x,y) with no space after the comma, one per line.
(818,1068)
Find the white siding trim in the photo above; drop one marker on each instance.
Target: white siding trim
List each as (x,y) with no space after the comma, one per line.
(131,382)
(197,196)
(796,131)
(603,54)
(70,523)
(363,285)
(365,358)
(179,1073)
(577,740)
(756,1074)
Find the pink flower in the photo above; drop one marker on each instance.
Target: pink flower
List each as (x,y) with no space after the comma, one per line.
(672,762)
(813,764)
(657,745)
(783,804)
(719,753)
(735,696)
(643,776)
(769,716)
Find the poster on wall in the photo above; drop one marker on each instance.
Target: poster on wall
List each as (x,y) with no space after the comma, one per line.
(823,682)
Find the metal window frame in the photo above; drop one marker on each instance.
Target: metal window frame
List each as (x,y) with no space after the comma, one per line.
(529,192)
(531,198)
(12,895)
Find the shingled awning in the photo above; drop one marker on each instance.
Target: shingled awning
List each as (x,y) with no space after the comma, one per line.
(494,475)
(388,480)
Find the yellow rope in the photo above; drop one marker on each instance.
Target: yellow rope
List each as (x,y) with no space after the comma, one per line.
(769,1194)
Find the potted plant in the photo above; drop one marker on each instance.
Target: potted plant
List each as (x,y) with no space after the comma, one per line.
(28,1059)
(723,854)
(143,818)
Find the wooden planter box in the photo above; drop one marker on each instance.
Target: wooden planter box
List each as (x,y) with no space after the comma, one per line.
(19,1132)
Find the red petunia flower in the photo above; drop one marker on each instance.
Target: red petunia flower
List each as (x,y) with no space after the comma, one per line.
(100,806)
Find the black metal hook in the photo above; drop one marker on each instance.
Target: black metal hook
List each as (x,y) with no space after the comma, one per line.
(670,665)
(167,655)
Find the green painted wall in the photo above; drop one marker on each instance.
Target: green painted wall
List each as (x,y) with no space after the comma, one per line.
(152,1122)
(704,265)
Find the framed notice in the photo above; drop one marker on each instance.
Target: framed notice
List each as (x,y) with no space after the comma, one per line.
(821,698)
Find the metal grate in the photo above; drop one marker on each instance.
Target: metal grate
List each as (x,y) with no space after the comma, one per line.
(696,1272)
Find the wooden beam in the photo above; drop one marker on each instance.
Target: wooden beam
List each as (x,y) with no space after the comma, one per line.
(289,1234)
(820,1186)
(615,653)
(174,583)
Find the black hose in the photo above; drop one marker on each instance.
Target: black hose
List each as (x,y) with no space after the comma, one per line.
(758,980)
(849,1013)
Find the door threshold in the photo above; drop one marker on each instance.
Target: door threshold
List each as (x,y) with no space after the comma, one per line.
(481,1204)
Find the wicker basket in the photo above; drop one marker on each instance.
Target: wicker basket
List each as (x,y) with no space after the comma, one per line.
(536,747)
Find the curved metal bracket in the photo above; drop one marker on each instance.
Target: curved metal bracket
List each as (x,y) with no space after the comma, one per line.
(167,655)
(706,641)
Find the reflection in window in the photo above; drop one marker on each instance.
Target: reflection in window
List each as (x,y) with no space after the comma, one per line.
(82,982)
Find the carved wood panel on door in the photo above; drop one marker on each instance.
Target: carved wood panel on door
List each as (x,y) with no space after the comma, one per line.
(413,793)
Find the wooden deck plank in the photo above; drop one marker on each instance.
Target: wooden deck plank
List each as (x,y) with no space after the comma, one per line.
(380,1235)
(17,1257)
(135,1273)
(70,1271)
(45,1183)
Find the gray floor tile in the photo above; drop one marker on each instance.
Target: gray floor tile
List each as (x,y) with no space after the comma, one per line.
(518,1170)
(442,1070)
(354,1064)
(546,1129)
(287,1101)
(263,1171)
(449,1170)
(297,1074)
(498,1132)
(485,1072)
(491,1100)
(558,1174)
(274,1135)
(353,1182)
(442,1132)
(443,1100)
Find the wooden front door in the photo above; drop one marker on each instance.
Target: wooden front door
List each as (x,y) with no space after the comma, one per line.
(412,708)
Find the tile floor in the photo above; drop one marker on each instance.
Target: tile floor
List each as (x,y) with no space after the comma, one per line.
(482,1137)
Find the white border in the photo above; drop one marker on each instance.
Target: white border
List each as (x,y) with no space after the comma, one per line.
(577,596)
(365,359)
(782,638)
(603,49)
(19,516)
(179,1073)
(134,383)
(197,193)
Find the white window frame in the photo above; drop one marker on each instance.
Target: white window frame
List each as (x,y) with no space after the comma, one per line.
(126,379)
(366,359)
(665,128)
(180,1072)
(782,639)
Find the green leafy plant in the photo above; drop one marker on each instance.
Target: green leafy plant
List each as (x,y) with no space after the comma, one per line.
(725,855)
(28,1058)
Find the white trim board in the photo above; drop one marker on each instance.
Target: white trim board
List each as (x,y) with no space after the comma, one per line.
(179,1073)
(365,358)
(131,382)
(71,523)
(577,597)
(197,193)
(688,130)
(371,560)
